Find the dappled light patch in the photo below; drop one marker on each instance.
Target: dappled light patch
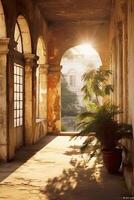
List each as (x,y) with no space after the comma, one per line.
(78,178)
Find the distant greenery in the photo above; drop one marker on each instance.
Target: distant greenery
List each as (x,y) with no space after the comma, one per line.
(69,100)
(63,128)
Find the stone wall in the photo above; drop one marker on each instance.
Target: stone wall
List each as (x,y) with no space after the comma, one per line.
(122,48)
(129,170)
(10,139)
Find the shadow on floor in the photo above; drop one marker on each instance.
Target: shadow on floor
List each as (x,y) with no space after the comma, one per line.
(22,155)
(85,181)
(73,150)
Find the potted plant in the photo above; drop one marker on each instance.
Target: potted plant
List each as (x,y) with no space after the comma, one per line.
(100,119)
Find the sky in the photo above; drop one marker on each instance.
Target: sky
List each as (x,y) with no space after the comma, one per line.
(81,57)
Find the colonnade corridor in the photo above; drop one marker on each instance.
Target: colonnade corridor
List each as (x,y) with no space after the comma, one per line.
(54,169)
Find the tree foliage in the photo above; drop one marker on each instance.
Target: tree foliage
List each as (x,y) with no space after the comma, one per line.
(69,100)
(96,86)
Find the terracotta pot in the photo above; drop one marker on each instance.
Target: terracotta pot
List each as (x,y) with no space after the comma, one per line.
(112,160)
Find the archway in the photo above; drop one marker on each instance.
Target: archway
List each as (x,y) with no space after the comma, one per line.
(75,61)
(23,46)
(22,29)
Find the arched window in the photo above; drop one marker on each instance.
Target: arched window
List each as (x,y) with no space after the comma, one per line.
(23,45)
(18,78)
(18,38)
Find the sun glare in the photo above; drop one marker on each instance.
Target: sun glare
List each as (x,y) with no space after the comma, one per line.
(85,49)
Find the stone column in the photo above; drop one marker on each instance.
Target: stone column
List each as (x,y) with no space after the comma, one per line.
(54,99)
(10,101)
(30,97)
(43,70)
(3,99)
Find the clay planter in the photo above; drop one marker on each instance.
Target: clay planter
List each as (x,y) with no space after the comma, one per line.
(112,160)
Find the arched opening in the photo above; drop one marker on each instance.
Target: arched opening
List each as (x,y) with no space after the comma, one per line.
(41,81)
(23,46)
(75,61)
(2,22)
(23,27)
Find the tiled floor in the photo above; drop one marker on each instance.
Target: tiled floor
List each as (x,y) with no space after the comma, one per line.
(54,170)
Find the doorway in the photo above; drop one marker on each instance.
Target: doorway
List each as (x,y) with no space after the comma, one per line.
(75,62)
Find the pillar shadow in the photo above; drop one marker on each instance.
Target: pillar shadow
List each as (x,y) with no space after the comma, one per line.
(22,155)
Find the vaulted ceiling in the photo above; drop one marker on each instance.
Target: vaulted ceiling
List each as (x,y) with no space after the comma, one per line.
(75,10)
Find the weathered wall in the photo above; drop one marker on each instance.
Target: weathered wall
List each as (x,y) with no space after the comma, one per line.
(129,171)
(38,28)
(118,49)
(122,48)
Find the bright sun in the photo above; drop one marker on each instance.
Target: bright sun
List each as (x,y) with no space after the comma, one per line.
(85,49)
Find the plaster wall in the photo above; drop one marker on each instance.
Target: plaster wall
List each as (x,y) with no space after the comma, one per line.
(122,48)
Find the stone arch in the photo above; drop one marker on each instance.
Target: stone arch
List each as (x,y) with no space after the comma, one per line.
(75,61)
(25,32)
(2,22)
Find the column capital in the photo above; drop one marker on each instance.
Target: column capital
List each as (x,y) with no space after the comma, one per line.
(54,68)
(31,59)
(43,68)
(4,42)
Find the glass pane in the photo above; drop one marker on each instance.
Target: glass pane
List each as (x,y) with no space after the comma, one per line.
(18,122)
(15,122)
(21,104)
(21,121)
(18,70)
(15,114)
(18,95)
(21,113)
(18,79)
(18,104)
(21,88)
(21,71)
(15,104)
(21,96)
(15,79)
(18,114)
(15,87)
(21,80)
(15,96)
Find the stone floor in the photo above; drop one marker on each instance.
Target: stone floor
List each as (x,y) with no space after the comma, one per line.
(54,170)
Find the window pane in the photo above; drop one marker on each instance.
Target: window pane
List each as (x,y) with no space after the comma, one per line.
(15,114)
(21,113)
(18,122)
(21,121)
(18,79)
(18,95)
(21,96)
(15,123)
